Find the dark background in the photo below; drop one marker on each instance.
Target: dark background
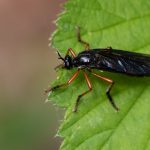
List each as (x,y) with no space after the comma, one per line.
(26,69)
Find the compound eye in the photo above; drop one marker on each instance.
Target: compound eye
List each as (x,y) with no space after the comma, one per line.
(68,62)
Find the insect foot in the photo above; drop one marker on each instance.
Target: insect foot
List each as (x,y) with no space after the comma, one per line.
(77,103)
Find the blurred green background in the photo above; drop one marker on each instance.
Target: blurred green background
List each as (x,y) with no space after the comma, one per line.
(26,69)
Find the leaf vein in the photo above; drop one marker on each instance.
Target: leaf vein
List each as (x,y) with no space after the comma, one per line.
(126,114)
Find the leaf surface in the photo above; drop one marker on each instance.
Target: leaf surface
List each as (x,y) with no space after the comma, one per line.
(121,24)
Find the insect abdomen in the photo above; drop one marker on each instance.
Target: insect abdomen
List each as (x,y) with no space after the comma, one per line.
(121,64)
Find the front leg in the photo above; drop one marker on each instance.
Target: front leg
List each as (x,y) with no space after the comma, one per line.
(64,84)
(71,51)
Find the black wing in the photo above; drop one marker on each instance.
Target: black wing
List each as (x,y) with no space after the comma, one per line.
(121,61)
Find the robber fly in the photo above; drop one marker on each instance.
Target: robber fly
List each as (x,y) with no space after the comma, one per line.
(106,59)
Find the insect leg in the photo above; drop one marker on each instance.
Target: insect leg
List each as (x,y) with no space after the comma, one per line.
(71,51)
(84,93)
(87,45)
(111,83)
(65,84)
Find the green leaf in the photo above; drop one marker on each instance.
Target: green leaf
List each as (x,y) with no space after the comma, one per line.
(121,24)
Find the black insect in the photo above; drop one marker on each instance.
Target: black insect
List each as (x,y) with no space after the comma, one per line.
(107,59)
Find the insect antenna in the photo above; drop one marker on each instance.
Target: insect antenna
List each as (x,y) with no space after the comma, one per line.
(61,65)
(60,57)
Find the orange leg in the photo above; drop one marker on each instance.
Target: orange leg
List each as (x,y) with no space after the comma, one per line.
(65,84)
(111,82)
(87,45)
(84,93)
(71,51)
